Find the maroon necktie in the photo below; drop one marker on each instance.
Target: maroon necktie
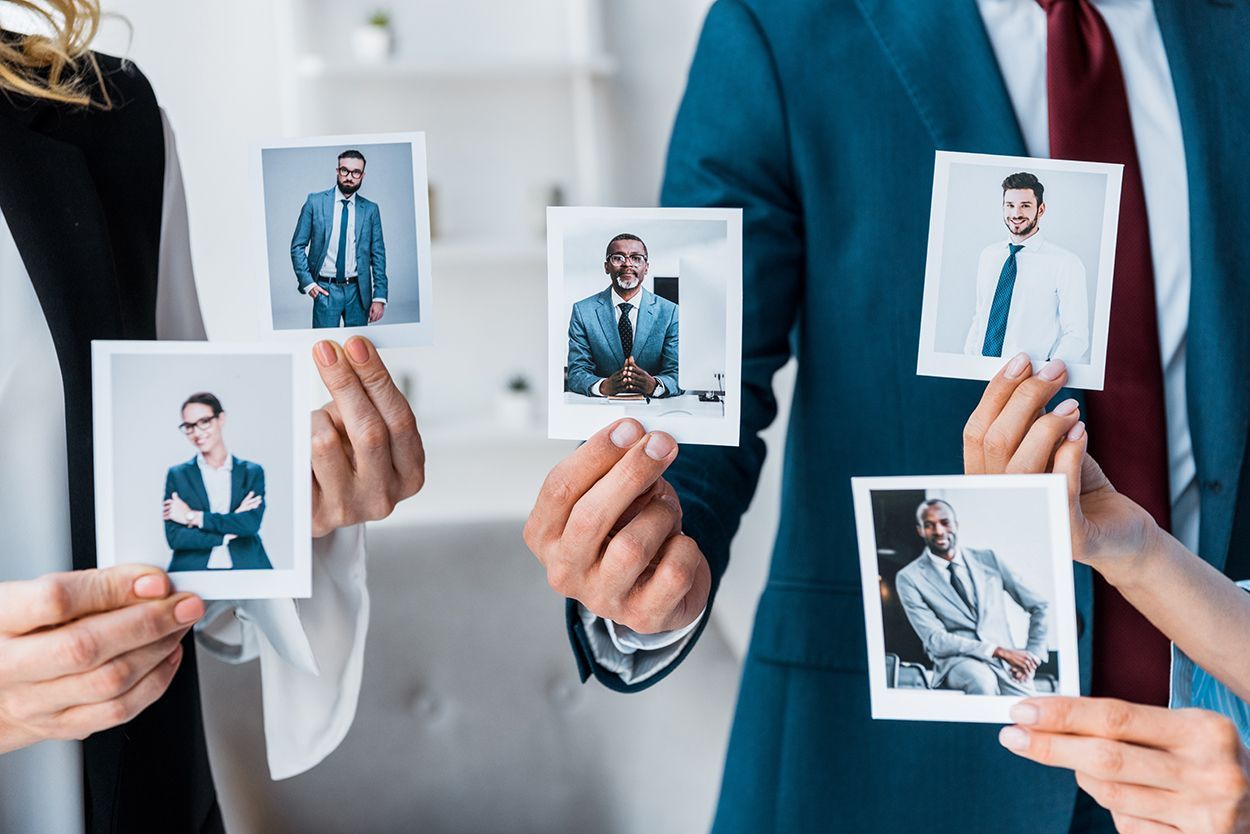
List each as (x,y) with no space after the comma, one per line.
(1089,120)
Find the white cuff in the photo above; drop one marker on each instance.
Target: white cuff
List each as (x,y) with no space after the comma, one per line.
(634,657)
(311,653)
(985,650)
(381,301)
(660,390)
(595,389)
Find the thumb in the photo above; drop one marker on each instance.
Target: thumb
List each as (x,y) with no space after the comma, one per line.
(175,497)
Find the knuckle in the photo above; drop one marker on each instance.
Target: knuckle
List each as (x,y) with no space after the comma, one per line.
(557,491)
(559,577)
(373,436)
(111,679)
(678,575)
(50,599)
(79,648)
(1117,718)
(974,432)
(996,443)
(115,712)
(324,441)
(1110,759)
(628,549)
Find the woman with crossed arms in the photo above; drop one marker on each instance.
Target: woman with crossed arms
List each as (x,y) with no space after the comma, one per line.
(1157,770)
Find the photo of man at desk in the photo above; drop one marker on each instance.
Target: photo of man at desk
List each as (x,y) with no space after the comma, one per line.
(623,341)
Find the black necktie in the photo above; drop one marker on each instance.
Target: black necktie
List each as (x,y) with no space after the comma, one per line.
(958,585)
(626,329)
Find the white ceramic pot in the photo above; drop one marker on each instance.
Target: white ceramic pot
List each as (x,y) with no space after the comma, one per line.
(514,409)
(373,44)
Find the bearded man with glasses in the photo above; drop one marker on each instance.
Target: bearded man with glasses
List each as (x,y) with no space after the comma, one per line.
(338,252)
(623,340)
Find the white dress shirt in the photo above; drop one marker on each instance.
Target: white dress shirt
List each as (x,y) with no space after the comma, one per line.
(1049,313)
(984,650)
(634,304)
(310,660)
(217,485)
(329,267)
(1017,33)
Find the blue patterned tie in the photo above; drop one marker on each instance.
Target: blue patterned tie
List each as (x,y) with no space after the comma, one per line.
(340,265)
(996,325)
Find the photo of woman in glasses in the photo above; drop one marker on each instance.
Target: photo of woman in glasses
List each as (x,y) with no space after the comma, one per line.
(214,503)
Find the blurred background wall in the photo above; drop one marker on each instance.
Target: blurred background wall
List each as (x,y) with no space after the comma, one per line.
(524,105)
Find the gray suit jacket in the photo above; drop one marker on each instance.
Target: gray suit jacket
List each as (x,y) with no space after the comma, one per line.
(595,343)
(948,630)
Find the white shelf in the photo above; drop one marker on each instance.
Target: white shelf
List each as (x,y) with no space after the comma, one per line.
(454,252)
(314,67)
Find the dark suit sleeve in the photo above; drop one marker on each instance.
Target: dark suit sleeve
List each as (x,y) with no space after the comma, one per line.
(241,524)
(377,249)
(299,246)
(181,537)
(730,148)
(668,358)
(582,371)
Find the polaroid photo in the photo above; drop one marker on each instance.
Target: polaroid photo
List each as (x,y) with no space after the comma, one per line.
(312,279)
(1021,255)
(968,595)
(201,465)
(617,279)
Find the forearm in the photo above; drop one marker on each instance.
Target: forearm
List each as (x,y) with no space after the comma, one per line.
(1196,606)
(180,537)
(240,524)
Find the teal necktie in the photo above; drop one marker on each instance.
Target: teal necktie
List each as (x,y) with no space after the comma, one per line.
(996,325)
(340,264)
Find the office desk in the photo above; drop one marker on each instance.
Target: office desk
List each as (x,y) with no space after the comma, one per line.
(681,404)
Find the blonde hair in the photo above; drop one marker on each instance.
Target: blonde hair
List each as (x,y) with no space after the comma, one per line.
(57,66)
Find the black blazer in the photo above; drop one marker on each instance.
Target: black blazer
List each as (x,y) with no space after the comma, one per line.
(81,191)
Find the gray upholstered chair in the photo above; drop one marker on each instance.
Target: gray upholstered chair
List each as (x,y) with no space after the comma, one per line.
(471,717)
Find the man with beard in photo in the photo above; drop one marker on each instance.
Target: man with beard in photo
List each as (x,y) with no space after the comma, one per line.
(337,249)
(623,340)
(1031,294)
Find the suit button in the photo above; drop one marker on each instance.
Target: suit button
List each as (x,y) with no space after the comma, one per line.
(1080,625)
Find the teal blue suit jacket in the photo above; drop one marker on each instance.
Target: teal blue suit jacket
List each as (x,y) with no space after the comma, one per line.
(820,118)
(595,342)
(311,241)
(192,546)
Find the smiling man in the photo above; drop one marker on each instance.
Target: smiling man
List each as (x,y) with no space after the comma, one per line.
(953,598)
(214,503)
(1031,294)
(623,340)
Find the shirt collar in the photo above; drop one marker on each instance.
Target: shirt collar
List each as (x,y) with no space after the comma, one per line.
(635,302)
(205,466)
(1032,244)
(339,196)
(940,563)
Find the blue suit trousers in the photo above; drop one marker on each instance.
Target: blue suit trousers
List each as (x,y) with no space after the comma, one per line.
(341,305)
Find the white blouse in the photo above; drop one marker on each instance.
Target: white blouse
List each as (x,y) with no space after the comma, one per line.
(311,656)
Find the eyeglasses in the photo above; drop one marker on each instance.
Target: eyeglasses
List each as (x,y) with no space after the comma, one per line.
(348,172)
(202,424)
(617,259)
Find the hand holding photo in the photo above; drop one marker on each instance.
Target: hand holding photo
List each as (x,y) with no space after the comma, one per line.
(1020,259)
(225,430)
(617,279)
(968,595)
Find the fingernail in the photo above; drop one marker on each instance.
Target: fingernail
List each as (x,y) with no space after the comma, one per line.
(189,610)
(660,446)
(1065,408)
(1052,370)
(1013,738)
(325,353)
(1024,714)
(175,655)
(1077,431)
(626,434)
(357,350)
(151,586)
(1017,365)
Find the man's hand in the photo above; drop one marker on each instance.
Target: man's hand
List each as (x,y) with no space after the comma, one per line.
(1155,769)
(315,289)
(1023,665)
(86,650)
(639,379)
(618,383)
(367,454)
(1010,432)
(607,527)
(250,502)
(176,510)
(376,310)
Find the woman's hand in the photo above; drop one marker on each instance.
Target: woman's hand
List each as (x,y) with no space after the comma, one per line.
(1011,432)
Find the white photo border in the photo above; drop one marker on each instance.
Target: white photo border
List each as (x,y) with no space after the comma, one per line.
(930,362)
(405,334)
(295,582)
(571,422)
(935,705)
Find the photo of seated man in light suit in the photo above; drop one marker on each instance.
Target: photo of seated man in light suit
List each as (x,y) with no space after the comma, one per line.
(623,340)
(954,600)
(344,274)
(214,503)
(1030,292)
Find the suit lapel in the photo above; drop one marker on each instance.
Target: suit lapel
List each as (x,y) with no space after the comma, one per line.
(944,587)
(646,320)
(1205,45)
(978,572)
(943,56)
(236,483)
(197,483)
(607,322)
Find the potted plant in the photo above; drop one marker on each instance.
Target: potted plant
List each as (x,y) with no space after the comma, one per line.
(373,42)
(515,403)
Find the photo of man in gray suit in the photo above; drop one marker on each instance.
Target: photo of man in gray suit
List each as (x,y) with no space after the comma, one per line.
(623,340)
(338,252)
(954,598)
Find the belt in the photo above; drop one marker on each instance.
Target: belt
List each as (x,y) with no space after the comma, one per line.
(336,281)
